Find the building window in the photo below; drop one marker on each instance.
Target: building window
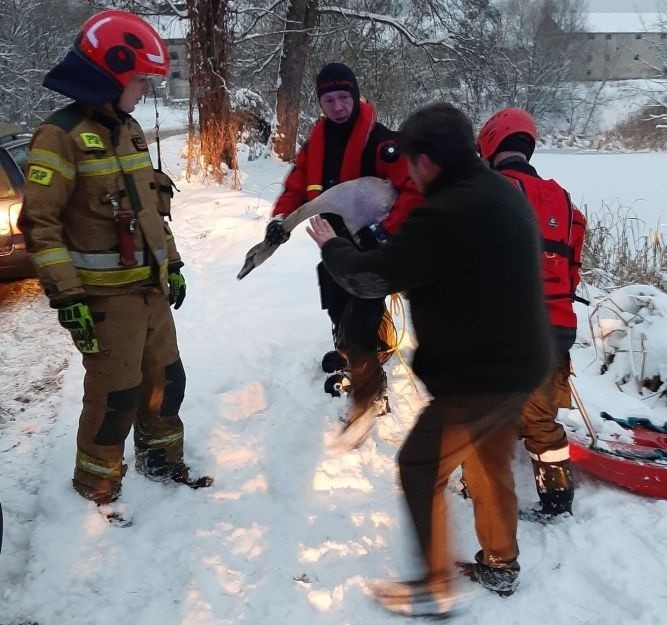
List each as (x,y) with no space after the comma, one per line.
(607,36)
(589,58)
(588,72)
(591,36)
(636,57)
(638,36)
(175,75)
(173,55)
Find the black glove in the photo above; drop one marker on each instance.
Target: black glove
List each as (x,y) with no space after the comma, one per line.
(371,237)
(275,232)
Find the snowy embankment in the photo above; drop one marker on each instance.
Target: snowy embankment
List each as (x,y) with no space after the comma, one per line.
(288,533)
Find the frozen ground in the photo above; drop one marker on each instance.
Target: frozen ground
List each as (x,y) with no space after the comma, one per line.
(288,533)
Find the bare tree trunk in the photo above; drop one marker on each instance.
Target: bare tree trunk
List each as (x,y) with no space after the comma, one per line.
(210,45)
(300,17)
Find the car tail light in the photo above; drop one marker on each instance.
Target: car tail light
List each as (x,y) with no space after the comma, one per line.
(14,212)
(5,227)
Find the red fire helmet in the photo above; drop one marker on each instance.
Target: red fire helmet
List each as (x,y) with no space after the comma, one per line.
(122,44)
(504,123)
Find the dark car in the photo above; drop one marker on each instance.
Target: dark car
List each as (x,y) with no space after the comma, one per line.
(14,262)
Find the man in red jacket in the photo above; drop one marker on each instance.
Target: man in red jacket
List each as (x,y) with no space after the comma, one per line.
(346,144)
(507,142)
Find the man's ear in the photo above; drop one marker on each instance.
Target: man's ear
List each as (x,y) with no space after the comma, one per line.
(424,161)
(427,166)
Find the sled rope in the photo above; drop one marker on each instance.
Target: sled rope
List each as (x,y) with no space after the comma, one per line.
(397,310)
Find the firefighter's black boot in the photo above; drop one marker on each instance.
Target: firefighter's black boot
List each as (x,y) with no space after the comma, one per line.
(555,486)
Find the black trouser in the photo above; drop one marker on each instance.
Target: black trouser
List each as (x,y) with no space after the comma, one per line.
(356,324)
(356,321)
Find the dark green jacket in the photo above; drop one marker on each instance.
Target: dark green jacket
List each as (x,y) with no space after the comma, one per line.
(469,260)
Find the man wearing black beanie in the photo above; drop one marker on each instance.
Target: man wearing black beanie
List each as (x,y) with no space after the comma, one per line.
(345,144)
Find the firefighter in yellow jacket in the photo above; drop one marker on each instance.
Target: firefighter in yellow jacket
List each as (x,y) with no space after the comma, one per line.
(94,218)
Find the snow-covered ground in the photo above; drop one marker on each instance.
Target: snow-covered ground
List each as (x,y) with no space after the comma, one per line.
(609,181)
(288,533)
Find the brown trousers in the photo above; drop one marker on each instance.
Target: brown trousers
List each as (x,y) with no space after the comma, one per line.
(478,432)
(544,437)
(367,381)
(135,379)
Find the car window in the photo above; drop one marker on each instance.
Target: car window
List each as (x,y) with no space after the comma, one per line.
(19,154)
(6,189)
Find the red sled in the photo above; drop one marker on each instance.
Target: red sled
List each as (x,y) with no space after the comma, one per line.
(630,466)
(640,466)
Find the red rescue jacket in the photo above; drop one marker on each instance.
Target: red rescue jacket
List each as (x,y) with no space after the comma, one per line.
(304,182)
(562,227)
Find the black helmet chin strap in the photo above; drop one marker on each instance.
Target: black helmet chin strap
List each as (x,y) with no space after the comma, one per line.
(157,129)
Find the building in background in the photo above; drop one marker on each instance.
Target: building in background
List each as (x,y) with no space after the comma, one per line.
(176,88)
(613,46)
(623,46)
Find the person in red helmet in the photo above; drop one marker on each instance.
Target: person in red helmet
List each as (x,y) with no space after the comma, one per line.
(507,142)
(94,218)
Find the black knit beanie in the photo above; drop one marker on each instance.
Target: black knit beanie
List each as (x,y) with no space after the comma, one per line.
(518,142)
(337,77)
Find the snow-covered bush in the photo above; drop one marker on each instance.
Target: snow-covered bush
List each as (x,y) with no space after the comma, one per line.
(629,331)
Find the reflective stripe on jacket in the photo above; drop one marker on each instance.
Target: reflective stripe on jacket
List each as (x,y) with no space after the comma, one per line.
(87,168)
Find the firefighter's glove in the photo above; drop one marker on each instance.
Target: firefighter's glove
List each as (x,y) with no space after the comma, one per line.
(176,288)
(78,319)
(275,232)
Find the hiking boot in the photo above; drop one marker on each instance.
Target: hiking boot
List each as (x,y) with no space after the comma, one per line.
(182,476)
(417,598)
(359,424)
(406,588)
(116,513)
(381,403)
(538,514)
(178,473)
(458,487)
(555,487)
(354,432)
(334,361)
(503,580)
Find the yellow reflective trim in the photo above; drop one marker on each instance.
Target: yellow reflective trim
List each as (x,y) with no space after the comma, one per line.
(52,256)
(46,158)
(166,441)
(314,187)
(40,175)
(97,466)
(113,277)
(552,455)
(132,162)
(91,140)
(98,166)
(164,272)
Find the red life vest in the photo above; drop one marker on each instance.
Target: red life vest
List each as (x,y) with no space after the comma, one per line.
(555,215)
(351,165)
